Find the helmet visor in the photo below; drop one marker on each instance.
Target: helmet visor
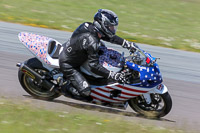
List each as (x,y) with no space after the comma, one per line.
(113,29)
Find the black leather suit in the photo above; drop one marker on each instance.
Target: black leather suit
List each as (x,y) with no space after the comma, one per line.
(82,46)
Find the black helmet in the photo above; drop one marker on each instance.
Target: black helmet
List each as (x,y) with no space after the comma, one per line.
(106,21)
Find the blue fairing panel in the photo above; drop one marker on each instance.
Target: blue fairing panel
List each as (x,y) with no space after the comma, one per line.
(149,76)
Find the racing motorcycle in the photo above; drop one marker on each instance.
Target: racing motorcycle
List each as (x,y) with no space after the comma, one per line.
(143,89)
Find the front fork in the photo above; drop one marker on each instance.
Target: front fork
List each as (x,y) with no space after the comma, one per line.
(147,98)
(159,89)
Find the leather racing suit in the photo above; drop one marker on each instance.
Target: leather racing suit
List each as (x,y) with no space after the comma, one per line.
(82,46)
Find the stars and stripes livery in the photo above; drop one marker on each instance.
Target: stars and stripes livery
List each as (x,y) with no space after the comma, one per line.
(125,92)
(150,77)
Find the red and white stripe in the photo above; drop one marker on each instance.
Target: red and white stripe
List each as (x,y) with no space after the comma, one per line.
(101,91)
(127,92)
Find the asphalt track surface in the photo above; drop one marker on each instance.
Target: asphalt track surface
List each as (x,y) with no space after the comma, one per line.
(180,69)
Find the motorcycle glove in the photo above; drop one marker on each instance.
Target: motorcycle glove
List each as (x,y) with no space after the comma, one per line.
(120,77)
(129,45)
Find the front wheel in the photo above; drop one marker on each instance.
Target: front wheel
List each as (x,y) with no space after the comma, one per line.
(160,106)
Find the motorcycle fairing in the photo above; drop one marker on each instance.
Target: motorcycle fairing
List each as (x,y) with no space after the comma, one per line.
(149,76)
(159,89)
(103,93)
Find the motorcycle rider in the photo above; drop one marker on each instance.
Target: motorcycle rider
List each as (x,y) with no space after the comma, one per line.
(83,45)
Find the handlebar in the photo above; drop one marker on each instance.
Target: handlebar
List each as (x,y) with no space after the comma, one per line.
(142,57)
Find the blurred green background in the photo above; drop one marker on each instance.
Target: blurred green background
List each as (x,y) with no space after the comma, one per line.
(168,23)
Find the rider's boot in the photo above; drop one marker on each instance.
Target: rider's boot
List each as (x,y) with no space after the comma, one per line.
(75,94)
(73,91)
(81,88)
(70,91)
(86,94)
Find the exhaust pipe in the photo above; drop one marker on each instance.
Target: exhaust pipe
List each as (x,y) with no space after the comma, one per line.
(34,75)
(18,64)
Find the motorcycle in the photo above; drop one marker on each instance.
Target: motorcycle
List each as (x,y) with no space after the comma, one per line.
(143,90)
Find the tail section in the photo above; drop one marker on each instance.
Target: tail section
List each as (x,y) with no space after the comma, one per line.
(44,48)
(37,44)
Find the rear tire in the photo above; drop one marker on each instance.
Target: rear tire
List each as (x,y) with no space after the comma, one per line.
(31,87)
(153,110)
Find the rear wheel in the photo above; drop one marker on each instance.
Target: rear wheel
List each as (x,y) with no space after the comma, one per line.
(160,106)
(32,87)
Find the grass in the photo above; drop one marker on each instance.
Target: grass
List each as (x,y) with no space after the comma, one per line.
(171,23)
(18,118)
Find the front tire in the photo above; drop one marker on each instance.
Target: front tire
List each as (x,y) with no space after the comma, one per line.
(30,86)
(160,106)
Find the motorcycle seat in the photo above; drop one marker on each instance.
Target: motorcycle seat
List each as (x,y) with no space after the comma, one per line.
(54,49)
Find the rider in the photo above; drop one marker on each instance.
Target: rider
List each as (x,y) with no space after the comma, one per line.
(83,45)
